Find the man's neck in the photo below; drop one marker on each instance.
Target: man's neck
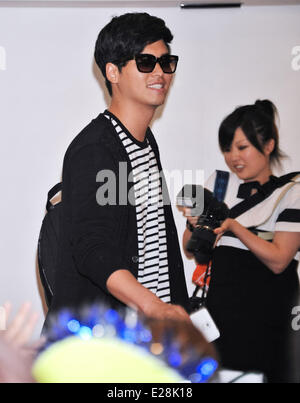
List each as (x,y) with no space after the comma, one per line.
(135,120)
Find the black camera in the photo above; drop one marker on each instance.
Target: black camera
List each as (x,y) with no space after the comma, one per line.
(211,214)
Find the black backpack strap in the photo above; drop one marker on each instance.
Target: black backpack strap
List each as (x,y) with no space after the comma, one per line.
(266,190)
(52,192)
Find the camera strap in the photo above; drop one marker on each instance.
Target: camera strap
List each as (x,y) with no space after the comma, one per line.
(221,184)
(202,273)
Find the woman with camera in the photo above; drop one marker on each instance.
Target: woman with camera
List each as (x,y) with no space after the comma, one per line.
(254,282)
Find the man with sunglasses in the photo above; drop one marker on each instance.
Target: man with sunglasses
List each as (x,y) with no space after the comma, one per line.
(123,253)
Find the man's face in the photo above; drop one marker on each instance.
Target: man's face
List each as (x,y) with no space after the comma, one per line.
(147,89)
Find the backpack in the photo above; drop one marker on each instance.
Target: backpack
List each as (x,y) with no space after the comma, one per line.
(48,243)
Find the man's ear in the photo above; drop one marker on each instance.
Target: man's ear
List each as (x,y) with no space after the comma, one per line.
(112,73)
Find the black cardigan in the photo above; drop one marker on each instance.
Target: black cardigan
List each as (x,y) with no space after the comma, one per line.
(98,240)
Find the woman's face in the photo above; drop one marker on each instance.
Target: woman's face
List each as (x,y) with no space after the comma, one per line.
(246,161)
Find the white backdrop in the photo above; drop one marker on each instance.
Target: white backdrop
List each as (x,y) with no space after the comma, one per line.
(50,89)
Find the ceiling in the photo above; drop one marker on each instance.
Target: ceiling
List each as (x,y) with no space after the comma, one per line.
(172,3)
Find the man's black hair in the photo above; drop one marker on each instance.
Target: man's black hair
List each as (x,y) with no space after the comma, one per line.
(125,37)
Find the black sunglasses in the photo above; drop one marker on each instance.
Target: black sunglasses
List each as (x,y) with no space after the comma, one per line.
(146,63)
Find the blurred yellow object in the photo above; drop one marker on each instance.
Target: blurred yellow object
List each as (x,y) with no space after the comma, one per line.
(102,360)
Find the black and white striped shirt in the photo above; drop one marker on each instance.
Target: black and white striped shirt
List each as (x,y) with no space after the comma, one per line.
(153,271)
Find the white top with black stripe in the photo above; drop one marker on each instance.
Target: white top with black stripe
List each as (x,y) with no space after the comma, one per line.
(153,271)
(285,217)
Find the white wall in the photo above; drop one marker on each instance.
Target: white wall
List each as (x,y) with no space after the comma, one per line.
(49,92)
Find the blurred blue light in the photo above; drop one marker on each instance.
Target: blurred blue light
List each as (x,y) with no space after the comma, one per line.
(206,368)
(85,333)
(63,317)
(111,316)
(73,326)
(129,335)
(175,359)
(145,336)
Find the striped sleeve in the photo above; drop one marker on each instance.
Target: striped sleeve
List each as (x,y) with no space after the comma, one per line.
(289,215)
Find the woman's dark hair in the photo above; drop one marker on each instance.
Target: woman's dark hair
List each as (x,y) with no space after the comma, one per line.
(125,37)
(258,122)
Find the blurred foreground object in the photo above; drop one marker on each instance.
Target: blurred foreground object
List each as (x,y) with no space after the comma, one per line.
(14,367)
(103,345)
(100,360)
(17,351)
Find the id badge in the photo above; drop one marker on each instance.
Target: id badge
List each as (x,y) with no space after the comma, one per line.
(205,323)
